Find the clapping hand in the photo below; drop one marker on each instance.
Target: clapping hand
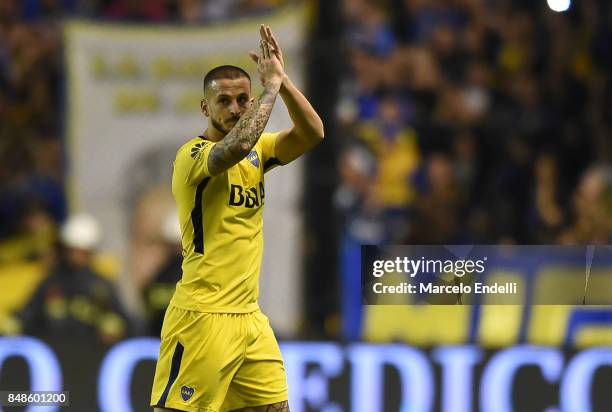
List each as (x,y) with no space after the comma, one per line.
(270,62)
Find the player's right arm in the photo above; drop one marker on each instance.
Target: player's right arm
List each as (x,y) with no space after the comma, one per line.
(242,138)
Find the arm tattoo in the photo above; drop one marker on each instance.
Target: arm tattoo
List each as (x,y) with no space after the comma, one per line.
(241,139)
(275,407)
(278,407)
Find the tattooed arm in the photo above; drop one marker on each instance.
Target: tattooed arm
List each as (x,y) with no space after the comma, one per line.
(275,407)
(242,138)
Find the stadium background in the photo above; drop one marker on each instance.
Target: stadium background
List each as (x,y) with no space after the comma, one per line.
(447,122)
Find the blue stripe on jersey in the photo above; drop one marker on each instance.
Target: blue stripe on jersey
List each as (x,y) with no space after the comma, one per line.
(197,218)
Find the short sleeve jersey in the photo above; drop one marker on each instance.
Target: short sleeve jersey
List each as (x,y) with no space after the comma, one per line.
(221,220)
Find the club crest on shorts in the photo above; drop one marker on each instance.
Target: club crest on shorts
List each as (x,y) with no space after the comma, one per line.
(253,158)
(186,392)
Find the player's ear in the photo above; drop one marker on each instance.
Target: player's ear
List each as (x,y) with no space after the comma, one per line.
(252,100)
(204,107)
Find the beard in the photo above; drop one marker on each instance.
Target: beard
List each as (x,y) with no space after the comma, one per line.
(219,126)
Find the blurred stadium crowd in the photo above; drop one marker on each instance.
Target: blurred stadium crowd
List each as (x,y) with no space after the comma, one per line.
(461,121)
(477,122)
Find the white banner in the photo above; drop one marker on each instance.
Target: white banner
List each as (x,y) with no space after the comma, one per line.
(133,98)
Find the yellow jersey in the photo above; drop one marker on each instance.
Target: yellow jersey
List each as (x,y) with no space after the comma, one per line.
(397,160)
(221,220)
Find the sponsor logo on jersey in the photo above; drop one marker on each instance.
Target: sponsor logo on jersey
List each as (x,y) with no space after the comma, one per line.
(186,392)
(248,197)
(196,150)
(253,158)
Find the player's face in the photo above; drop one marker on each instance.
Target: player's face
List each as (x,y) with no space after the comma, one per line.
(225,101)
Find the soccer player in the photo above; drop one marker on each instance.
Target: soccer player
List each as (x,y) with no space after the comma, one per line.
(218,352)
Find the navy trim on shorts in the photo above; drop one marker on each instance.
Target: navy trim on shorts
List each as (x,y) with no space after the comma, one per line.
(174,371)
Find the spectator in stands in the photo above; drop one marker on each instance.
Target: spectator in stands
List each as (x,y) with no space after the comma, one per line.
(395,149)
(440,208)
(592,207)
(74,299)
(547,216)
(158,292)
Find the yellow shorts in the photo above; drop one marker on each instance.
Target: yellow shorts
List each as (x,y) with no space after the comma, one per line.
(217,362)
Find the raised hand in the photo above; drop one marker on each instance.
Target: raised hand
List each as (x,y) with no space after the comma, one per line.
(269,60)
(266,34)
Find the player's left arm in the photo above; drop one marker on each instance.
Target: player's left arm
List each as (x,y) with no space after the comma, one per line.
(307,128)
